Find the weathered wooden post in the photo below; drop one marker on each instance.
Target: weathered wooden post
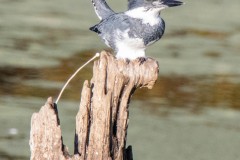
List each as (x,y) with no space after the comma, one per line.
(102,120)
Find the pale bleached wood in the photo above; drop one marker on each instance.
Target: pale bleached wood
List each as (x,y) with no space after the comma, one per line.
(82,121)
(45,135)
(102,120)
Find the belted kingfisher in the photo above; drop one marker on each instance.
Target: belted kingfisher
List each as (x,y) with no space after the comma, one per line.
(129,33)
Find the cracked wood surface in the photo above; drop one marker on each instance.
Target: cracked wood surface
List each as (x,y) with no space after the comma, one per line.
(103,116)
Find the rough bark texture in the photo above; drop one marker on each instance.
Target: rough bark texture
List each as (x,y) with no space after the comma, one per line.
(102,120)
(46,137)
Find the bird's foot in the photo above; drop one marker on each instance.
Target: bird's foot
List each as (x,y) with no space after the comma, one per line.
(127,60)
(141,60)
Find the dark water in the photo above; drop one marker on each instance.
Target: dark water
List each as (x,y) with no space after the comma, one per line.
(192,111)
(182,91)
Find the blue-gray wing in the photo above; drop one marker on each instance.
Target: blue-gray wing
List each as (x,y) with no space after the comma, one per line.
(102,9)
(111,24)
(134,3)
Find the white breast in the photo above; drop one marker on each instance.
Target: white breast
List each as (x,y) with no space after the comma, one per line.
(127,47)
(148,17)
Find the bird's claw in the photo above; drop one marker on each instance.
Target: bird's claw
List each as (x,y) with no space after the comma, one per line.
(127,60)
(141,60)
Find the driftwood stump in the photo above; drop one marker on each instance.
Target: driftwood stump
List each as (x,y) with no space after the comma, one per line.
(102,119)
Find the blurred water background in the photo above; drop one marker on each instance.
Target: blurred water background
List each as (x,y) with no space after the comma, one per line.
(191,113)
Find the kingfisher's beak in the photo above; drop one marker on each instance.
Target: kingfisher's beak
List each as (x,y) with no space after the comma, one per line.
(171,3)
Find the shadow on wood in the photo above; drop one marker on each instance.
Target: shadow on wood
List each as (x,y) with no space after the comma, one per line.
(102,120)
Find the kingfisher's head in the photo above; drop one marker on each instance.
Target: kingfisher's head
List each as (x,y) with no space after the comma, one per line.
(153,4)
